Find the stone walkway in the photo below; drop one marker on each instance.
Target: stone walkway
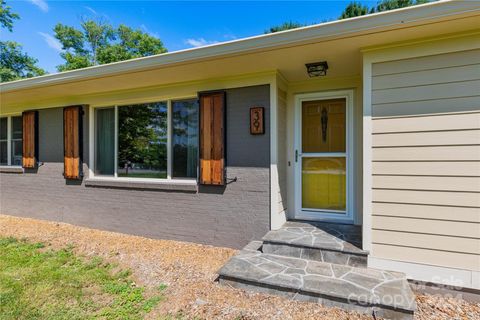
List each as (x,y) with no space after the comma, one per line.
(359,289)
(345,238)
(325,242)
(323,263)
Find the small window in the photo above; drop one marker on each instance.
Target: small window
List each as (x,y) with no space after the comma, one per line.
(105,142)
(17,144)
(4,141)
(185,138)
(11,133)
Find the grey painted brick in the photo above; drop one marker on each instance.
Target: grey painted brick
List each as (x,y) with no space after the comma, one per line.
(231,218)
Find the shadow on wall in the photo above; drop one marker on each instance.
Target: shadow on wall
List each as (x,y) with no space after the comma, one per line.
(212,189)
(30,170)
(50,131)
(70,182)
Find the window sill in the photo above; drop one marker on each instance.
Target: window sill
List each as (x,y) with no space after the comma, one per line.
(131,183)
(11,169)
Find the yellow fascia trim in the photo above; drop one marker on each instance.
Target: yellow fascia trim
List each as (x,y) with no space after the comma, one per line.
(249,76)
(324,80)
(178,90)
(182,90)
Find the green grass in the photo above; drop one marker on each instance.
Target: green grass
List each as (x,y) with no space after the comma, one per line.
(44,284)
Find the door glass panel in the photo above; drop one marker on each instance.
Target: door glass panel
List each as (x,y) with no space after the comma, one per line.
(323,126)
(324,156)
(324,183)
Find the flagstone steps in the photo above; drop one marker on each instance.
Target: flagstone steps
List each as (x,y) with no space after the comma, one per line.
(325,242)
(381,293)
(323,263)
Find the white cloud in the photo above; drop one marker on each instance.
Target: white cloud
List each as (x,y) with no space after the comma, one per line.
(230,36)
(42,4)
(91,10)
(146,30)
(200,42)
(51,41)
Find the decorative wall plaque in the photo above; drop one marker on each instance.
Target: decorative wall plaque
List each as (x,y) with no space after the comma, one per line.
(257,120)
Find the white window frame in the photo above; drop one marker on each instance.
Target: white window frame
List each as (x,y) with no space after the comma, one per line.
(115,177)
(325,215)
(9,140)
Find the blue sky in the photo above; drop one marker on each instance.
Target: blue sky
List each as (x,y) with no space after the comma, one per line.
(179,24)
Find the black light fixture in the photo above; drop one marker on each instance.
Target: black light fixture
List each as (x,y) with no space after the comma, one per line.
(317,69)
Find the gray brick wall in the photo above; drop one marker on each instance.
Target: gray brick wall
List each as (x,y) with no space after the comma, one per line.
(229,216)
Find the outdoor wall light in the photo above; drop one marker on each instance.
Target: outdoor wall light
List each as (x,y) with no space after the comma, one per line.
(317,69)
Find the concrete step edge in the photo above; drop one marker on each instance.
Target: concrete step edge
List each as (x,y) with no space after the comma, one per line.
(359,252)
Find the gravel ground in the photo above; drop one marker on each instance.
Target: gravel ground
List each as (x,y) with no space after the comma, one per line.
(189,271)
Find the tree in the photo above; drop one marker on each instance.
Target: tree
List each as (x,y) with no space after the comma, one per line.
(354,9)
(386,5)
(285,26)
(14,63)
(7,16)
(142,131)
(98,43)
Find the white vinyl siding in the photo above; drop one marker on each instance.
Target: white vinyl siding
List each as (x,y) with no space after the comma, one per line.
(426,160)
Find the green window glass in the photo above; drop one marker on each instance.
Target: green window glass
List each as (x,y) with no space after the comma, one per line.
(105,141)
(142,140)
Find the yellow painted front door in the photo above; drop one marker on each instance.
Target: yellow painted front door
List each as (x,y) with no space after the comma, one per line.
(323,156)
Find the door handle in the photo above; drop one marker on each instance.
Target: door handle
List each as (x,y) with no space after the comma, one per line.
(296,155)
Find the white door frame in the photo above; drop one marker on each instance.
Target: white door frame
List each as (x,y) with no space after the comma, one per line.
(300,214)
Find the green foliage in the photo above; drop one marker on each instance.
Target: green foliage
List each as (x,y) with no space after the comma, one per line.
(142,136)
(14,63)
(386,5)
(354,9)
(99,42)
(7,16)
(285,26)
(59,285)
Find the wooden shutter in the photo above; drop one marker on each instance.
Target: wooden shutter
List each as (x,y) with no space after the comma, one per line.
(30,139)
(72,142)
(212,138)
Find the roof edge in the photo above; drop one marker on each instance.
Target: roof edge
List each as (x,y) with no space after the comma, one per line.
(376,22)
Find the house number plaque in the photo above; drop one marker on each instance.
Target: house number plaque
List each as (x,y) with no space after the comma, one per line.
(257,120)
